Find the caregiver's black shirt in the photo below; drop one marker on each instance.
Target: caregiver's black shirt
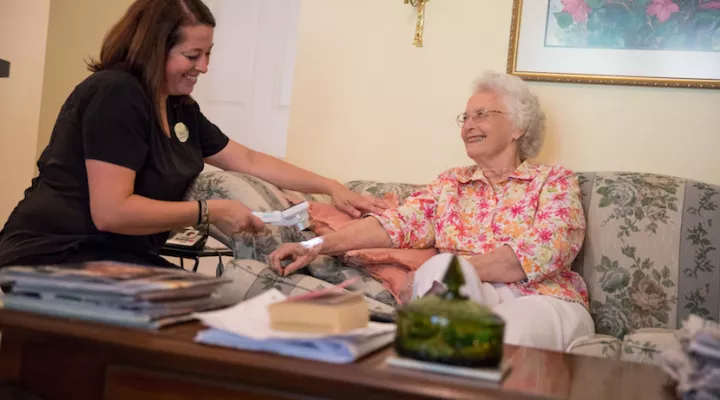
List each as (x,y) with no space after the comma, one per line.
(108,117)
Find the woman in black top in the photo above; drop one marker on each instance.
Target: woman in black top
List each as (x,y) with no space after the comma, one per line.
(127,144)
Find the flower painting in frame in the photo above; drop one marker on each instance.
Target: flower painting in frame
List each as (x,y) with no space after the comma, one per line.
(672,43)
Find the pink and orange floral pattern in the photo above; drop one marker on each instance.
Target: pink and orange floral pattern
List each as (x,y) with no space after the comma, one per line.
(537,211)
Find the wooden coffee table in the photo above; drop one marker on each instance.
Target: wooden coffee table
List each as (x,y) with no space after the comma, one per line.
(56,358)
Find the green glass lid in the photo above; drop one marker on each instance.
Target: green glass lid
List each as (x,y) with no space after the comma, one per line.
(451,303)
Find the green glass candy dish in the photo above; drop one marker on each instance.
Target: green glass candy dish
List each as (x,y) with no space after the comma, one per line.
(449,328)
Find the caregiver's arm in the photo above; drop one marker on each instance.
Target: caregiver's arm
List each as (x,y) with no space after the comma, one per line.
(366,233)
(238,158)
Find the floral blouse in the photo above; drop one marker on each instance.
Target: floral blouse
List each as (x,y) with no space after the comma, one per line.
(537,211)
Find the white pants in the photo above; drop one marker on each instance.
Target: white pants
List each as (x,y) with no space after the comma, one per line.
(530,321)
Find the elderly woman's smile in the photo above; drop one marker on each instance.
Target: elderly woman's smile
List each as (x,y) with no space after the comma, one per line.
(473,136)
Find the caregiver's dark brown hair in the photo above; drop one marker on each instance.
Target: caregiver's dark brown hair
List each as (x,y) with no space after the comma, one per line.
(141,40)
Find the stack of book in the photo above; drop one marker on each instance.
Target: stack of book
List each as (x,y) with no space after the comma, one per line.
(109,292)
(335,327)
(332,313)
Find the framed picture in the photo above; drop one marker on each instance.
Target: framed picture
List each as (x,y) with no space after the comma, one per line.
(670,43)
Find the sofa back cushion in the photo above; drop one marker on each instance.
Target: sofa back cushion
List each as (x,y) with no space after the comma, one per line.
(379,189)
(650,255)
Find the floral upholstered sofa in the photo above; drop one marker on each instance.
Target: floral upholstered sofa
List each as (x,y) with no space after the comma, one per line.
(650,257)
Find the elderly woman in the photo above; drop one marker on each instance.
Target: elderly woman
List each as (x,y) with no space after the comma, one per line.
(517,226)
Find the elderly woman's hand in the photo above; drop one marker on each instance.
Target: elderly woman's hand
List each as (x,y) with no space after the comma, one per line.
(299,254)
(356,204)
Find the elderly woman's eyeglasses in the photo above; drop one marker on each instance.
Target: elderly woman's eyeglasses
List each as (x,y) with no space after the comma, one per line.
(477,116)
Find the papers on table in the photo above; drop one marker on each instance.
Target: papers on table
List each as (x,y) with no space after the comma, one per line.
(246,326)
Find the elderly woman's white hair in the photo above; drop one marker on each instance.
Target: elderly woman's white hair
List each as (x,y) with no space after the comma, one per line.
(524,108)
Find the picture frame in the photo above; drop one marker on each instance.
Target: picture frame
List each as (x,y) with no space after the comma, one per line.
(601,42)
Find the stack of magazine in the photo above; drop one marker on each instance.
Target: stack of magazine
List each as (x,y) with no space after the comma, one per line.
(109,292)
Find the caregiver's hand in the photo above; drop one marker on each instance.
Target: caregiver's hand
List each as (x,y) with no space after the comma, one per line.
(233,217)
(356,204)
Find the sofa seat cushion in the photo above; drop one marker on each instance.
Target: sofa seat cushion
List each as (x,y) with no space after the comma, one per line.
(596,345)
(332,270)
(251,278)
(646,344)
(643,345)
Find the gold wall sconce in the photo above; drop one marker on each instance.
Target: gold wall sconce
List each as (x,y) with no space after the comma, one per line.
(420,25)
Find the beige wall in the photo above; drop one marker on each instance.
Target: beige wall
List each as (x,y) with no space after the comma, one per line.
(23,34)
(75,33)
(368,105)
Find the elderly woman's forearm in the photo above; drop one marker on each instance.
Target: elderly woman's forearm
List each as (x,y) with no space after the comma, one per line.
(366,233)
(500,265)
